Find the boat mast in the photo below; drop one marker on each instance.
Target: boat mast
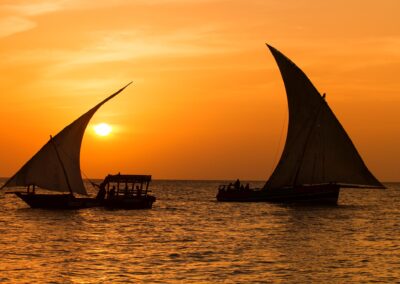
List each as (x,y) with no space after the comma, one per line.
(314,124)
(62,165)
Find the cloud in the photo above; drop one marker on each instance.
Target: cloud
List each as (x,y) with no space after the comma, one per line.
(109,47)
(112,46)
(39,7)
(119,46)
(33,9)
(18,16)
(11,25)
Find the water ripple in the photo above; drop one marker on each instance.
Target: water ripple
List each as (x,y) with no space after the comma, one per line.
(188,237)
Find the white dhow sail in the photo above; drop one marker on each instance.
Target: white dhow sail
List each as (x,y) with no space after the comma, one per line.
(56,166)
(318,149)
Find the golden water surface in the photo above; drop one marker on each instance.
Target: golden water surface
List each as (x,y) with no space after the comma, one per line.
(188,237)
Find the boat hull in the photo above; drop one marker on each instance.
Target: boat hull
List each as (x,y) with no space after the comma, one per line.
(144,202)
(57,201)
(315,194)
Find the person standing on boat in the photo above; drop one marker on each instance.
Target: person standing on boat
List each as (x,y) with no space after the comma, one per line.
(102,192)
(111,193)
(236,185)
(139,191)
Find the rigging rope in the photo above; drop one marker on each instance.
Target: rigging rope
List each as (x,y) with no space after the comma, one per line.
(92,183)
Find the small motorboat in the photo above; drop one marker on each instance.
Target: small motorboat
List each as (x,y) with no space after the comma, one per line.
(126,192)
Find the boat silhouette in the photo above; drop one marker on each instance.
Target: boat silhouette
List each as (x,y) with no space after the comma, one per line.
(318,158)
(56,167)
(123,191)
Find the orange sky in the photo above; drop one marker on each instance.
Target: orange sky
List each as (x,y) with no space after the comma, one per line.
(208,101)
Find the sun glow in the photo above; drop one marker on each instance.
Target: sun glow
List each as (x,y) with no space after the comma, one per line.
(102,129)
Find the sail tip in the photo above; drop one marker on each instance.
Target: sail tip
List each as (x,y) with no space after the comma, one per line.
(270,46)
(123,88)
(127,84)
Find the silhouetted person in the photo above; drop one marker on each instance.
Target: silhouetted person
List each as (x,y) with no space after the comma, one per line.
(101,194)
(139,191)
(247,187)
(111,194)
(236,185)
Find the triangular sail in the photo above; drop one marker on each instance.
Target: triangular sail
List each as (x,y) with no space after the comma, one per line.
(318,149)
(45,168)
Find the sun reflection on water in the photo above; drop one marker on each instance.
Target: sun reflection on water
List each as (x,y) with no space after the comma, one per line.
(188,237)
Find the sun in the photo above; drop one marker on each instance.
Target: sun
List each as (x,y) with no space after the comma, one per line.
(102,129)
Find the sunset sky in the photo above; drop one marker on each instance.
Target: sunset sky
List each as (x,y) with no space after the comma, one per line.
(207,99)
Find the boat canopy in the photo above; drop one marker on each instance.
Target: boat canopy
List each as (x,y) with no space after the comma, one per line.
(118,178)
(126,185)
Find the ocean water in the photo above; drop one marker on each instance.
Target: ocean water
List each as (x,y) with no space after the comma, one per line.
(188,237)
